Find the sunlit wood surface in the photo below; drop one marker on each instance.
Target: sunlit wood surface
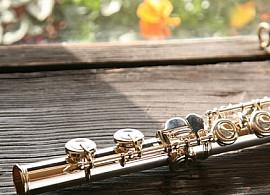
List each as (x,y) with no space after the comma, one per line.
(41,110)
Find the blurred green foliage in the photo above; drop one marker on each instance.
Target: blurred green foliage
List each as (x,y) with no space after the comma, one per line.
(200,18)
(116,20)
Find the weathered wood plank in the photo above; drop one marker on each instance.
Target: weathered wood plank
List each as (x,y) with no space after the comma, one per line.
(100,55)
(40,111)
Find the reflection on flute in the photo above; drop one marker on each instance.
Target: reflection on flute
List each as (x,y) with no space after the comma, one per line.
(182,142)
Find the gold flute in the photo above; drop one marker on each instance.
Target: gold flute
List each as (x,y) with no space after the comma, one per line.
(182,141)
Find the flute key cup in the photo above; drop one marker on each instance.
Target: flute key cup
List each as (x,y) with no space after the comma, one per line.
(175,122)
(77,149)
(225,131)
(128,139)
(260,122)
(195,122)
(80,154)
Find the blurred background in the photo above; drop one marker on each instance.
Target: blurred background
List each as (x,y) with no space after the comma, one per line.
(87,21)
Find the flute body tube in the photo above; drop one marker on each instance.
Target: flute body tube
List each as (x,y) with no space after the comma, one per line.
(182,142)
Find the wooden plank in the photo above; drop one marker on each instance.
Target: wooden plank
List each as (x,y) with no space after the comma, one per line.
(41,111)
(100,55)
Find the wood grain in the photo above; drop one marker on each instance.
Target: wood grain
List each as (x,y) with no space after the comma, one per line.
(100,55)
(41,111)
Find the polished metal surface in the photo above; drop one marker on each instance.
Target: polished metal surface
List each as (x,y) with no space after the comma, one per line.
(182,142)
(79,145)
(128,135)
(128,140)
(263,27)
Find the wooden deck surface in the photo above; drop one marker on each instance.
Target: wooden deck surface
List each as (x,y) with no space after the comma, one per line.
(41,111)
(111,55)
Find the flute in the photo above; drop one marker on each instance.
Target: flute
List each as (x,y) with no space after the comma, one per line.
(180,143)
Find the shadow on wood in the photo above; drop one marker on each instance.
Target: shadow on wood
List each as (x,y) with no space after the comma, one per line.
(40,112)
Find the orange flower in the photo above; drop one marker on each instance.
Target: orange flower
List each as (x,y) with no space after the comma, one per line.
(242,14)
(154,18)
(265,16)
